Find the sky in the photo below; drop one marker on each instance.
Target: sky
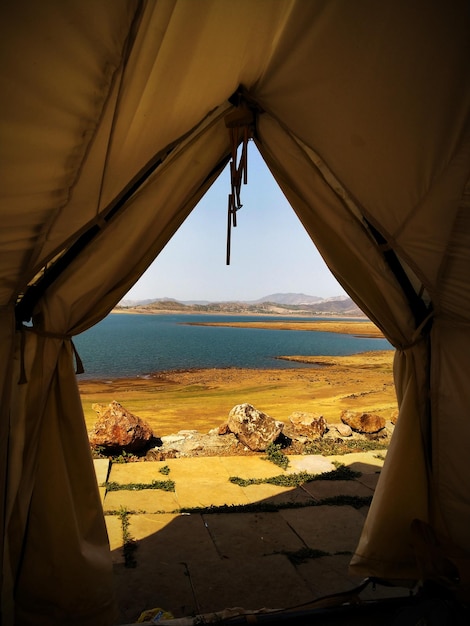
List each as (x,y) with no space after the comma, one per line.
(270,250)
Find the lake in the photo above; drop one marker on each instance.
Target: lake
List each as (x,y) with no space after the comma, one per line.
(138,345)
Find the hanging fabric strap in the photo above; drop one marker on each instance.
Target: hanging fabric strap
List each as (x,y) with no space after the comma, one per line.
(79,369)
(240,123)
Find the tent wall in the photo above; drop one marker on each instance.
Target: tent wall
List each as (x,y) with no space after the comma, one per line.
(113,127)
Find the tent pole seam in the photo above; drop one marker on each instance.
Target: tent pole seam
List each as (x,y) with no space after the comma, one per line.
(24,308)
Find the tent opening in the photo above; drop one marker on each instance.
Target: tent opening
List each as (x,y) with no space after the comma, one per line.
(271,255)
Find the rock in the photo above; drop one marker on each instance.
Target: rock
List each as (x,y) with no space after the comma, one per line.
(155,454)
(191,444)
(223,429)
(344,430)
(394,416)
(119,430)
(253,428)
(364,423)
(292,435)
(308,424)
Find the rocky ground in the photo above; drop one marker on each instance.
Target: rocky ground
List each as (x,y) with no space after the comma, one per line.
(119,434)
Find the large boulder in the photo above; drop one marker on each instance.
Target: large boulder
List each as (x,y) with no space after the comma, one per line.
(308,425)
(364,423)
(116,429)
(253,428)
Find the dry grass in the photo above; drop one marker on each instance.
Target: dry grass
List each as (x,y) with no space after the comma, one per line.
(202,399)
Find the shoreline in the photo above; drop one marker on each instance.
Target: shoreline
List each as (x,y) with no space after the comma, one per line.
(201,398)
(281,313)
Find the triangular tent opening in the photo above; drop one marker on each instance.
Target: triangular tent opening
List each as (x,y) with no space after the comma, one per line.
(113,127)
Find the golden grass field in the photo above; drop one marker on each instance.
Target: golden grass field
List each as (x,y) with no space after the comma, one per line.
(201,399)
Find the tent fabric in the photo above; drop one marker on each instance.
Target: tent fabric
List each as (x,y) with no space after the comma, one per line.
(113,127)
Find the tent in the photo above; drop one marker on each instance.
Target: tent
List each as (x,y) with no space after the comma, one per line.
(116,117)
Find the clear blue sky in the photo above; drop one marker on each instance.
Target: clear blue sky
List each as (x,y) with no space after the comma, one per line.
(270,252)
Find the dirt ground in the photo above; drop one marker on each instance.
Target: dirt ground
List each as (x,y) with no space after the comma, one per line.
(201,399)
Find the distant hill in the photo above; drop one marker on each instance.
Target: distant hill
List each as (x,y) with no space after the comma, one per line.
(289,298)
(273,304)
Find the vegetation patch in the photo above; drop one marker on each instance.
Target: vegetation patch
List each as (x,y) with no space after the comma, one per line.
(342,472)
(330,447)
(165,470)
(276,456)
(164,485)
(129,544)
(302,555)
(357,502)
(124,457)
(273,507)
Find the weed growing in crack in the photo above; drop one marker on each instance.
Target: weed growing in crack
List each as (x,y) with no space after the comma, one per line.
(342,472)
(129,544)
(164,485)
(304,554)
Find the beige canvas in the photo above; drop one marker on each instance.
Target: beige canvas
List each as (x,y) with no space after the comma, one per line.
(113,127)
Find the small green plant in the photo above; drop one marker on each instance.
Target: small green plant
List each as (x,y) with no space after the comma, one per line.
(276,456)
(164,485)
(129,544)
(302,555)
(165,470)
(357,502)
(272,507)
(97,452)
(124,457)
(329,447)
(342,472)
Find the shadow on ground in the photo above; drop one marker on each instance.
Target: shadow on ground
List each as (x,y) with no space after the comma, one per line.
(279,552)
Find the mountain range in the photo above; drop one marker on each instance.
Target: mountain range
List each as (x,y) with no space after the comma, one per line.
(276,304)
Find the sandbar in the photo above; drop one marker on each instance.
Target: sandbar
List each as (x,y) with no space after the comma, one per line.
(359,329)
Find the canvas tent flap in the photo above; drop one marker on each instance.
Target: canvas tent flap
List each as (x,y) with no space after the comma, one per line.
(113,128)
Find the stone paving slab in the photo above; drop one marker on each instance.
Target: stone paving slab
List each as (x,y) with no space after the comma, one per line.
(251,534)
(102,467)
(256,582)
(172,537)
(102,491)
(205,494)
(311,463)
(114,528)
(145,500)
(151,585)
(328,528)
(143,472)
(369,480)
(197,468)
(321,489)
(275,494)
(330,574)
(364,462)
(250,467)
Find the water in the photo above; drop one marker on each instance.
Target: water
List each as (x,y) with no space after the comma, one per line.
(139,345)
